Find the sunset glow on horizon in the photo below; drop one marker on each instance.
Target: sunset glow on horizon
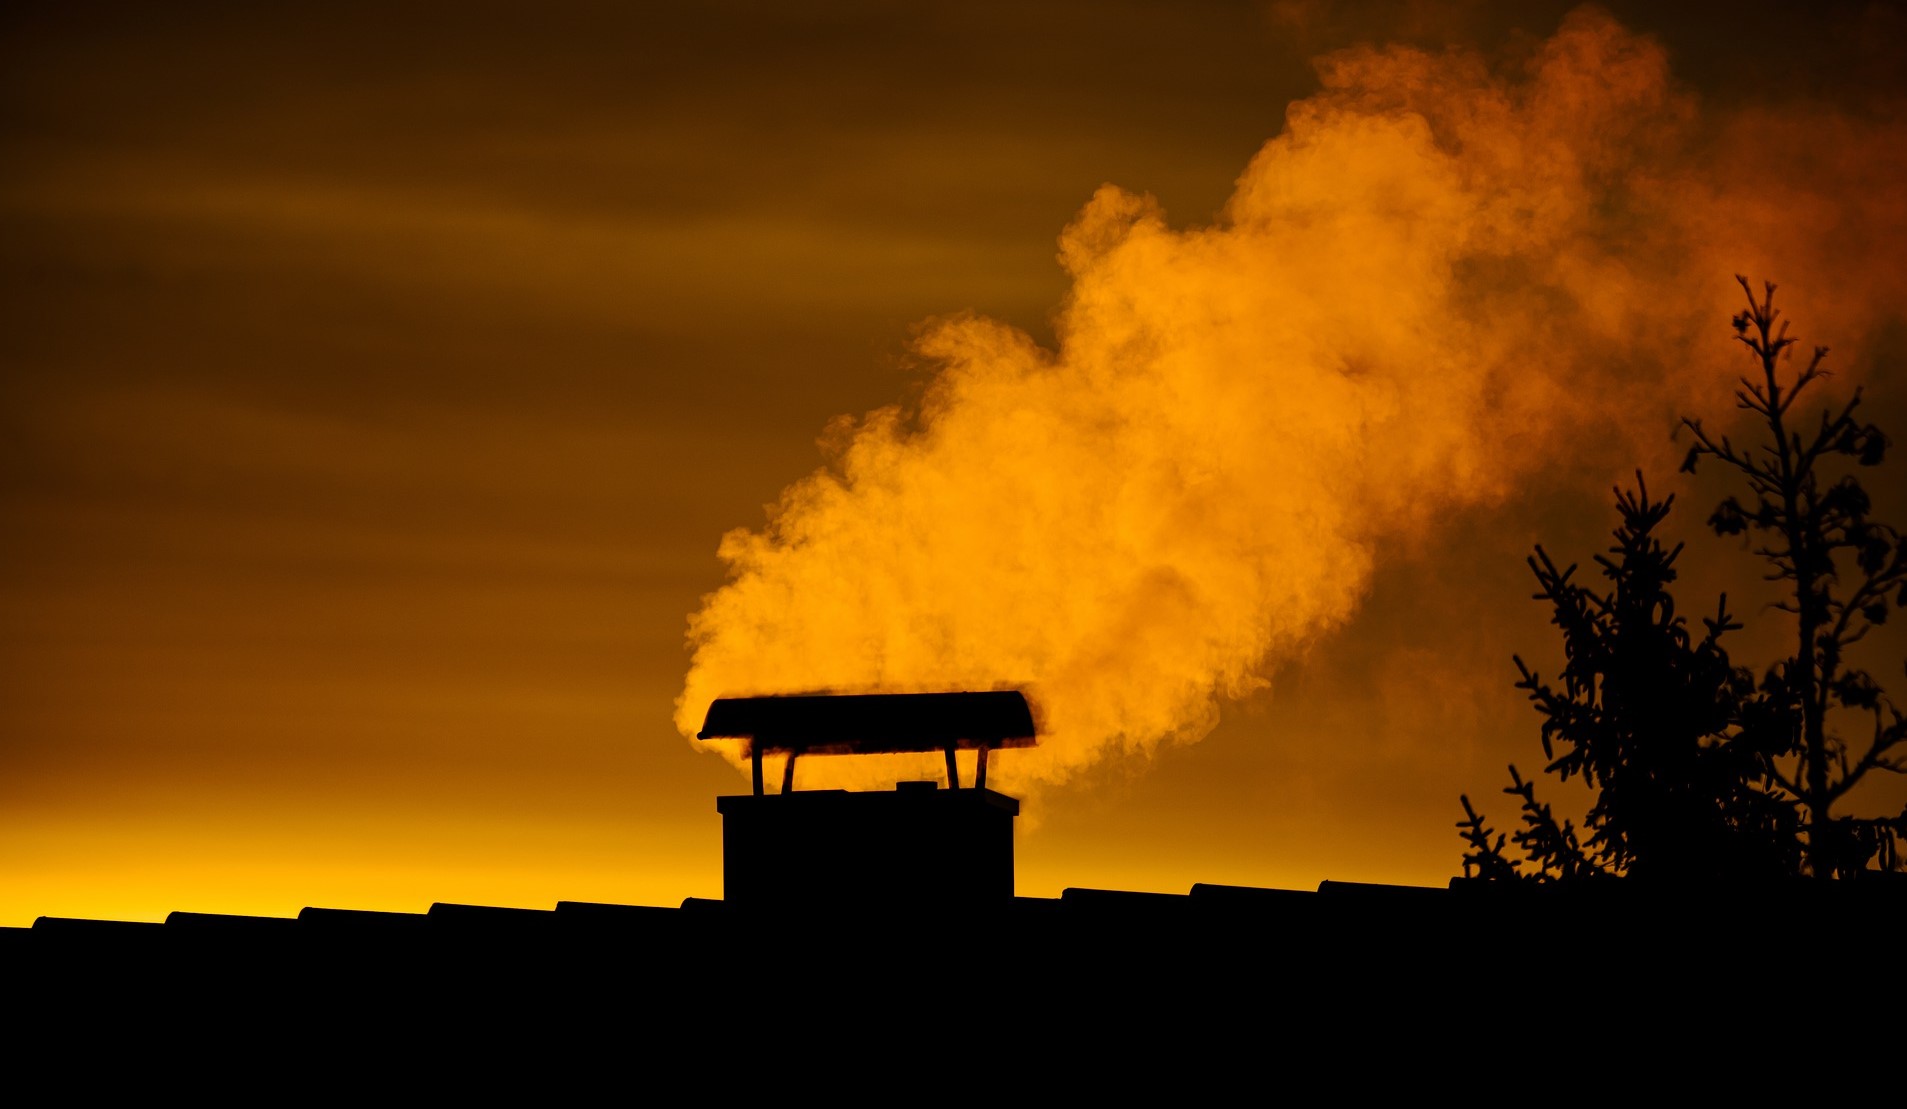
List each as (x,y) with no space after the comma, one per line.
(383,396)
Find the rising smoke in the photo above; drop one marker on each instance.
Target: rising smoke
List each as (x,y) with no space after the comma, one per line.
(1439,279)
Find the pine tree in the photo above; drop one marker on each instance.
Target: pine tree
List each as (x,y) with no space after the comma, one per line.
(1841,571)
(1646,716)
(1701,772)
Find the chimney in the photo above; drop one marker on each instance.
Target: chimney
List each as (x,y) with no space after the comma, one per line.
(917,844)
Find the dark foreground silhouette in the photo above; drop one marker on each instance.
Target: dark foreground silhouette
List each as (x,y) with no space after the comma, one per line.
(903,980)
(871,945)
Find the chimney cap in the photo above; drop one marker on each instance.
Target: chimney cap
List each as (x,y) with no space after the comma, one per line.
(872,723)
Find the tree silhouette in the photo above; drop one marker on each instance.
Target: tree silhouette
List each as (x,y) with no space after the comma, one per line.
(1701,772)
(1646,715)
(1839,569)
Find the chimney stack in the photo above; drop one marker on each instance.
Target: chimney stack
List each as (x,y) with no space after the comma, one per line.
(918,844)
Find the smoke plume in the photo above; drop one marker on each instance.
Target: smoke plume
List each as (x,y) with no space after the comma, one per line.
(1440,279)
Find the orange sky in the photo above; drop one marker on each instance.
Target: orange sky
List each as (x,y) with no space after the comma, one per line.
(378,388)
